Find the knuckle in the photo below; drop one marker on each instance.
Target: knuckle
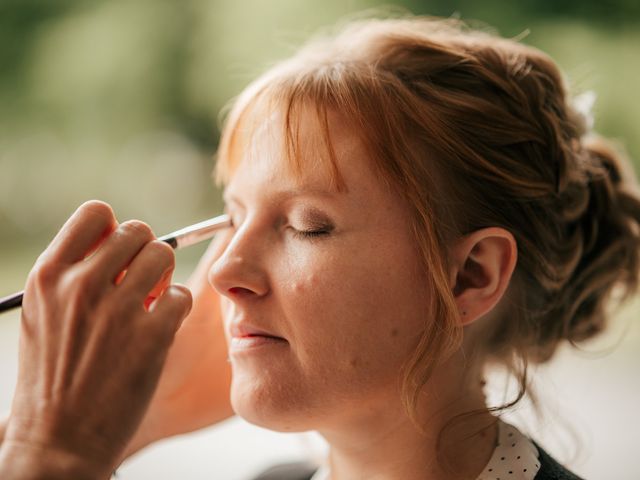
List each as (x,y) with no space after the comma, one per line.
(99,208)
(44,272)
(136,228)
(163,252)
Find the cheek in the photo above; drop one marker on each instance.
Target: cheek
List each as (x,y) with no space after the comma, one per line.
(304,286)
(357,318)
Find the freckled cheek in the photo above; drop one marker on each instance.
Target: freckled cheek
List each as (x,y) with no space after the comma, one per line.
(305,284)
(314,307)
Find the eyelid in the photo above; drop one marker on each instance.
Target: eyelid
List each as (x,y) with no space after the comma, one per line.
(313,216)
(317,227)
(311,223)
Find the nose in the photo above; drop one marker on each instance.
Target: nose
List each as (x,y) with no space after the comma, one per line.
(239,272)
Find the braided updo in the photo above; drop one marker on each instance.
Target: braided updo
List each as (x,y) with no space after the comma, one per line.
(580,250)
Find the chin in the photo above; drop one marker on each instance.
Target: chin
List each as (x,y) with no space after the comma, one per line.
(269,406)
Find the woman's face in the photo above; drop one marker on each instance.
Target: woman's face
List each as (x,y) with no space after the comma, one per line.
(347,300)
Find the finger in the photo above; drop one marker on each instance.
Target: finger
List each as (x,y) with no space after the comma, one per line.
(158,288)
(154,264)
(162,284)
(120,248)
(168,311)
(3,427)
(82,232)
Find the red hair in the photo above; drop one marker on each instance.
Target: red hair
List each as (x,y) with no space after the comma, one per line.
(473,131)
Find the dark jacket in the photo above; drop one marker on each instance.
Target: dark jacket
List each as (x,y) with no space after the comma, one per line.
(550,469)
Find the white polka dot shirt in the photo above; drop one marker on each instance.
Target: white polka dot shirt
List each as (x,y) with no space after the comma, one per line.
(514,458)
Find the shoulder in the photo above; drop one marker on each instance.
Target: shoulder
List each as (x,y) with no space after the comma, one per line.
(289,471)
(550,469)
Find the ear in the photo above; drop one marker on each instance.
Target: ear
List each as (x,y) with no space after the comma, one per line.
(483,263)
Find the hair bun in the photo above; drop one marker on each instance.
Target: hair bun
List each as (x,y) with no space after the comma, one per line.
(611,243)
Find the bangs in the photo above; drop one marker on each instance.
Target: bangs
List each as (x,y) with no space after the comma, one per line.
(295,112)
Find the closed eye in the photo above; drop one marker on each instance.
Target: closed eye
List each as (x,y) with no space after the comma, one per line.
(317,223)
(315,232)
(310,233)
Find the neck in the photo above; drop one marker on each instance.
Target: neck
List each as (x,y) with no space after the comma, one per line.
(384,443)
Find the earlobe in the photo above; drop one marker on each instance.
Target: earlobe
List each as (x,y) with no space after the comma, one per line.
(484,262)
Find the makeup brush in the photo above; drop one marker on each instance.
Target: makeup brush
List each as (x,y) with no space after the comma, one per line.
(185,237)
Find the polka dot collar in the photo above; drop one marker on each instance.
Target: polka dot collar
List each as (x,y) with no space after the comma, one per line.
(514,458)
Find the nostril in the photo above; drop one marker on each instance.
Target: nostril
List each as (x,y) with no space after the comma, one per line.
(239,290)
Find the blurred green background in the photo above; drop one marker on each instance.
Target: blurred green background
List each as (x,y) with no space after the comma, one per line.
(120,100)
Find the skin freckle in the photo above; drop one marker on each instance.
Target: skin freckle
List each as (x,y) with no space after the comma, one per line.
(305,284)
(311,280)
(394,332)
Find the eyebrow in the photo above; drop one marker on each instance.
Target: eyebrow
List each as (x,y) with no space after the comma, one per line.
(287,194)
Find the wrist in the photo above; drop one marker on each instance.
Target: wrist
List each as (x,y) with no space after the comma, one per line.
(22,461)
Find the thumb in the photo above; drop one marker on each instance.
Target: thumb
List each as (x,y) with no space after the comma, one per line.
(173,306)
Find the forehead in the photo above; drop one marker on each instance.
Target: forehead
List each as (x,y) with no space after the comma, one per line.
(276,148)
(304,148)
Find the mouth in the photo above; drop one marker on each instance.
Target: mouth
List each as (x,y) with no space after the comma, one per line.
(244,337)
(244,329)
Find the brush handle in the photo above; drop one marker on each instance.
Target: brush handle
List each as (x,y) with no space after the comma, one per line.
(11,301)
(179,239)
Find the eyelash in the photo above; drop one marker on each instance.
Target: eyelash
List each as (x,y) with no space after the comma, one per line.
(310,234)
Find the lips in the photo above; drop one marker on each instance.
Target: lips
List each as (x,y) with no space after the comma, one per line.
(245,330)
(249,340)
